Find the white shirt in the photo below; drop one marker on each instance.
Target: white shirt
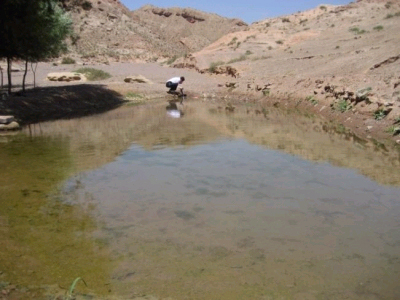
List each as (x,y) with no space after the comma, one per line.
(175,80)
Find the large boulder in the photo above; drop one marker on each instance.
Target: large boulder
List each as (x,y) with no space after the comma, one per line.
(66,76)
(138,79)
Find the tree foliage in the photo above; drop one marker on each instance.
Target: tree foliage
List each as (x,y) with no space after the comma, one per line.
(32,30)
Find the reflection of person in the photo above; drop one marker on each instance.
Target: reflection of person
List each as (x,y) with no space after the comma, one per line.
(172,83)
(173,111)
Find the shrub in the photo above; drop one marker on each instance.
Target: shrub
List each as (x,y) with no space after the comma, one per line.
(285,20)
(279,42)
(68,60)
(93,74)
(322,7)
(357,30)
(388,16)
(378,28)
(233,41)
(248,52)
(86,5)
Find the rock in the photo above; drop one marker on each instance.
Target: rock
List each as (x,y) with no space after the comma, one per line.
(11,126)
(137,78)
(66,76)
(6,119)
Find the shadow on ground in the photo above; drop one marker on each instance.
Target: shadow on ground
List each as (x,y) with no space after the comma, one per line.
(51,103)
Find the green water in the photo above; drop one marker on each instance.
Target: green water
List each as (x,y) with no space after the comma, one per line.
(212,205)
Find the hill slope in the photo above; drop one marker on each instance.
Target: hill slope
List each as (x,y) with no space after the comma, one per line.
(106,30)
(343,56)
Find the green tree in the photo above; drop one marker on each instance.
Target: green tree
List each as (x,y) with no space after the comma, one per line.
(31,30)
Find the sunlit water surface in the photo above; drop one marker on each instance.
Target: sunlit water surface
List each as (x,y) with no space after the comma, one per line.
(251,204)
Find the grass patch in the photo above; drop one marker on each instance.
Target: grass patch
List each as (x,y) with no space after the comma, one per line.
(312,100)
(380,114)
(378,28)
(172,60)
(93,74)
(342,106)
(393,130)
(68,61)
(240,58)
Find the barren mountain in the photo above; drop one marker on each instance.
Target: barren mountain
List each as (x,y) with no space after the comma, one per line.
(105,30)
(346,57)
(184,30)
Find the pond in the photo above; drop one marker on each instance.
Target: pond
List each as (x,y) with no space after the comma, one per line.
(200,201)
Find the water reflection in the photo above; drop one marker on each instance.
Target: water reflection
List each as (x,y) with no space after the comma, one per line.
(219,205)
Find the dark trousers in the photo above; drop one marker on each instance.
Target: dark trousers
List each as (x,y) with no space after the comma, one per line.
(171,86)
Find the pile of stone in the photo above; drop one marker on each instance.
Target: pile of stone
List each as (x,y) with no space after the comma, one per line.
(8,123)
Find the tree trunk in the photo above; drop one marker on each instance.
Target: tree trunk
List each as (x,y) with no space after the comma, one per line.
(34,73)
(9,74)
(24,78)
(1,70)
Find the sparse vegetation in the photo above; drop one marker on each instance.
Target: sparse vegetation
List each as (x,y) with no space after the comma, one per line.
(233,41)
(303,21)
(87,5)
(214,65)
(378,28)
(342,106)
(248,52)
(172,60)
(285,20)
(237,45)
(312,100)
(380,114)
(357,30)
(279,42)
(388,16)
(393,130)
(69,295)
(240,58)
(322,7)
(337,47)
(68,61)
(93,74)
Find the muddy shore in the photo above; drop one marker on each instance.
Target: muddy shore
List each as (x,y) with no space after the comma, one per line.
(51,100)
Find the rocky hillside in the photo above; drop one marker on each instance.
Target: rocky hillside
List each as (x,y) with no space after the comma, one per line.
(346,57)
(181,31)
(105,30)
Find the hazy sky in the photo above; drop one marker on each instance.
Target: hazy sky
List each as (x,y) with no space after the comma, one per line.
(247,10)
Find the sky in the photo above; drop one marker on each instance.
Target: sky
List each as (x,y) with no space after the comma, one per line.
(247,10)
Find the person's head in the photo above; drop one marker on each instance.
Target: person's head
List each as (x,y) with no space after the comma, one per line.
(182,79)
